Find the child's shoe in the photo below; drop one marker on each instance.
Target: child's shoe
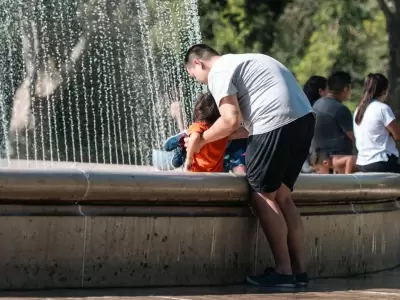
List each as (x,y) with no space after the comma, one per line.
(179,157)
(173,142)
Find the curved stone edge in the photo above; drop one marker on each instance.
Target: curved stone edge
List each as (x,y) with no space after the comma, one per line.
(126,184)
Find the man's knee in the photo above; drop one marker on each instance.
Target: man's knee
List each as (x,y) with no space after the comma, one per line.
(257,198)
(283,194)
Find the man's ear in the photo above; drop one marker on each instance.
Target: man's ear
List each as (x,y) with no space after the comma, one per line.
(197,62)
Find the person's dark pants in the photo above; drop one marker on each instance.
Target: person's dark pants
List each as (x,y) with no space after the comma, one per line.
(390,166)
(277,156)
(235,154)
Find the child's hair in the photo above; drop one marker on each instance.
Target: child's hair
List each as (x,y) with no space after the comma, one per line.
(374,86)
(318,156)
(205,109)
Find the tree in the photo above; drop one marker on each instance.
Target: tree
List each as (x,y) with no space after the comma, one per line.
(239,26)
(391,10)
(315,38)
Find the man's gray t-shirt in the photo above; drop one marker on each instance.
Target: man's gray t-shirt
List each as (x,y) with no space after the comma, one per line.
(333,120)
(268,94)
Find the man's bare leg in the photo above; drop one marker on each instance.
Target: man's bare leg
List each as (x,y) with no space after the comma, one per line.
(295,237)
(275,229)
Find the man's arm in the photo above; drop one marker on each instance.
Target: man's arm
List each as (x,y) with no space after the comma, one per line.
(240,133)
(227,123)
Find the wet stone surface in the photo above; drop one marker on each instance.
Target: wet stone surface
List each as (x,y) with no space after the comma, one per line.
(384,285)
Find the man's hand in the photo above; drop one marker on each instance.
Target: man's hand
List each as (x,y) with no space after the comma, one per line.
(196,146)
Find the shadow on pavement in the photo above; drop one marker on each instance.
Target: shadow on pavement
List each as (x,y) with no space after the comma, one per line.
(384,283)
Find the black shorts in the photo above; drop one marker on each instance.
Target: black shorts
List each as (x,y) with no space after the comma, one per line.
(277,156)
(389,166)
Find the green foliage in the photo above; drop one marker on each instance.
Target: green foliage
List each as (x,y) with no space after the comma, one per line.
(237,25)
(310,37)
(339,36)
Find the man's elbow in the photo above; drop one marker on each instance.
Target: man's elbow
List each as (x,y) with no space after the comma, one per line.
(232,123)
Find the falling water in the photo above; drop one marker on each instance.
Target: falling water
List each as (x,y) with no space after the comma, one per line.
(93,81)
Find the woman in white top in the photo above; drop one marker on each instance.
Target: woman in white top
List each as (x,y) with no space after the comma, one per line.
(375,128)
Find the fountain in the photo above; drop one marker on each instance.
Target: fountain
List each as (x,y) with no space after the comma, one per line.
(85,90)
(92,81)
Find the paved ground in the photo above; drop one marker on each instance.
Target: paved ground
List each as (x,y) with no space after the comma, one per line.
(385,285)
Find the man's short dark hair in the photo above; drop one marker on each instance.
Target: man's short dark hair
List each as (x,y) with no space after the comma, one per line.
(199,51)
(338,81)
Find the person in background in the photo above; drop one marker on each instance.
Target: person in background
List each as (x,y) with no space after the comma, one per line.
(175,142)
(176,114)
(376,129)
(211,157)
(323,163)
(315,88)
(334,122)
(164,160)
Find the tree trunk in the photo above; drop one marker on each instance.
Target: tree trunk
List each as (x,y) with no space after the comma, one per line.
(394,65)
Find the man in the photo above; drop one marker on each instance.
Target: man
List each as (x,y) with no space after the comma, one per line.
(334,122)
(278,118)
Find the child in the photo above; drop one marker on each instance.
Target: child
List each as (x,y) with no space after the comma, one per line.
(323,163)
(234,158)
(211,156)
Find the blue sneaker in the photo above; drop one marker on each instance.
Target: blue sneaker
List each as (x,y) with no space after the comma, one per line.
(173,142)
(179,157)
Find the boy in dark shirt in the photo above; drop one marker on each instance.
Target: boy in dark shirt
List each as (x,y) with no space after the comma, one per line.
(334,122)
(323,163)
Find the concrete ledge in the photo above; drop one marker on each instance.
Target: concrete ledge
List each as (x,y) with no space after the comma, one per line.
(60,182)
(69,226)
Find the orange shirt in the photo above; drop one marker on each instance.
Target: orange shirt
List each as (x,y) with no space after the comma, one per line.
(211,155)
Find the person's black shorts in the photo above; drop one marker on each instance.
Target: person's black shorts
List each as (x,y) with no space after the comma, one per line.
(389,166)
(277,156)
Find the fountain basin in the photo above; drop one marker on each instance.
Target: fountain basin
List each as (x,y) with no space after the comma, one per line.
(86,225)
